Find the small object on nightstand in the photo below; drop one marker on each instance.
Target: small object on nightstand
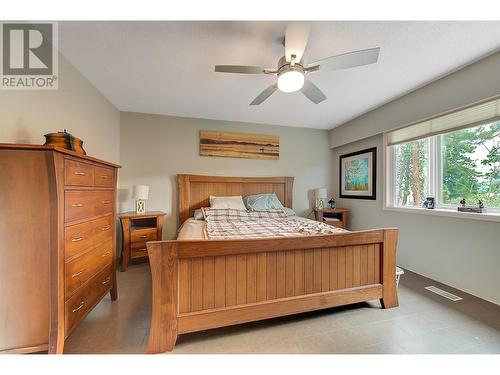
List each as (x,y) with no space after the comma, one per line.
(332,203)
(337,217)
(141,193)
(137,230)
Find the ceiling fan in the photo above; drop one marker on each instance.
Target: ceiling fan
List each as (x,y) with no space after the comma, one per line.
(291,69)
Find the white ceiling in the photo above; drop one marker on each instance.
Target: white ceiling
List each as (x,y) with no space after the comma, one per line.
(168,67)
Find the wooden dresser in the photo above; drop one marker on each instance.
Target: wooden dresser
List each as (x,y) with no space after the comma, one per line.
(57,243)
(138,229)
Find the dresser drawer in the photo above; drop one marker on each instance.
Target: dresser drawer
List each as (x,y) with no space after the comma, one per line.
(78,174)
(81,302)
(143,235)
(82,268)
(103,177)
(86,204)
(80,237)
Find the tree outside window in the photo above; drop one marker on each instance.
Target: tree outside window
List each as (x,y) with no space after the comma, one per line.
(471,165)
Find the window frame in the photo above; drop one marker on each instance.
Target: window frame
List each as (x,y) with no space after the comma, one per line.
(434,188)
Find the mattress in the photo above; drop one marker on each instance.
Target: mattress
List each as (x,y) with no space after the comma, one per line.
(193,229)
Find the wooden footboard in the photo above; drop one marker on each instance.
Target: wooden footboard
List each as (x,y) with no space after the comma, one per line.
(199,285)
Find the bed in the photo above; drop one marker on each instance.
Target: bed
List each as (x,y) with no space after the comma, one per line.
(200,284)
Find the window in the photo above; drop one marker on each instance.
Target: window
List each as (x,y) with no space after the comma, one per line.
(449,166)
(411,172)
(470,161)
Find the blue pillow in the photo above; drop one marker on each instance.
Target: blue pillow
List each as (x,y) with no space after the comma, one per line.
(262,202)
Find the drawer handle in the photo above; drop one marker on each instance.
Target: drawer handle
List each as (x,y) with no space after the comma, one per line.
(80,173)
(77,239)
(104,176)
(142,249)
(106,281)
(144,236)
(105,202)
(77,205)
(79,307)
(105,228)
(77,273)
(107,253)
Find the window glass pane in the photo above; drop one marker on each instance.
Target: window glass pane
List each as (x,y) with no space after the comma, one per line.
(411,177)
(471,165)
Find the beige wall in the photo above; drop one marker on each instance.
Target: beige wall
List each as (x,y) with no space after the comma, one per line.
(25,116)
(459,252)
(155,148)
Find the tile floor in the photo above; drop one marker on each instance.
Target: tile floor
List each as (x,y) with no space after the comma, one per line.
(423,323)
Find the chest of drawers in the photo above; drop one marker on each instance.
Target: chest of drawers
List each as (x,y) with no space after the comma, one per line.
(57,244)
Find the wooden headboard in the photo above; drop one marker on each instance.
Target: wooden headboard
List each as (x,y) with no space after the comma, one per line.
(195,190)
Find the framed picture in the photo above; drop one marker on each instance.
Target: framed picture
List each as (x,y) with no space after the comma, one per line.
(358,174)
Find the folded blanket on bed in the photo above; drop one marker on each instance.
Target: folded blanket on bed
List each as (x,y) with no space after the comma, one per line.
(241,224)
(242,215)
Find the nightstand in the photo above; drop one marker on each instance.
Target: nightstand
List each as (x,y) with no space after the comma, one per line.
(328,216)
(138,229)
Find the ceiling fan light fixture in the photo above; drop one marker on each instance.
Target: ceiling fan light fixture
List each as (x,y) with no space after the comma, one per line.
(291,80)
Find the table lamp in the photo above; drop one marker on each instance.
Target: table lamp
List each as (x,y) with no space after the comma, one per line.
(320,194)
(140,193)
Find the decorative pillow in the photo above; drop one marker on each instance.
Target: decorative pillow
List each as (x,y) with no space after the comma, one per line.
(225,203)
(263,202)
(289,212)
(198,214)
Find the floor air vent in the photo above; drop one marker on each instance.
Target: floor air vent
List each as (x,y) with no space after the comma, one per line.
(443,293)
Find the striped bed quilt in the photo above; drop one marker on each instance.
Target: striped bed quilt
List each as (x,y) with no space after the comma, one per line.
(238,224)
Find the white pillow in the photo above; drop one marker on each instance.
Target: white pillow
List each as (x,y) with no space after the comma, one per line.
(224,203)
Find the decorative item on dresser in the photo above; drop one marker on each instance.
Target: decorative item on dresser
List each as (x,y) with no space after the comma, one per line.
(338,217)
(138,229)
(57,243)
(65,140)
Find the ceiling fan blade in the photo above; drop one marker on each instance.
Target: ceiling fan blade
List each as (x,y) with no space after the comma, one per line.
(265,94)
(296,37)
(243,69)
(312,92)
(348,60)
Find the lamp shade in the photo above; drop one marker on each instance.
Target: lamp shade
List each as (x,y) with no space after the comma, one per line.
(320,193)
(140,192)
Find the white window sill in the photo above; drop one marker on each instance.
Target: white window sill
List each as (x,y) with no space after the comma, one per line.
(488,216)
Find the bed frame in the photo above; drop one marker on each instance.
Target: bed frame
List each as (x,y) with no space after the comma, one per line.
(204,284)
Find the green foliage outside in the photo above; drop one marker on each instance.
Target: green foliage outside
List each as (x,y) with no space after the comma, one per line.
(471,165)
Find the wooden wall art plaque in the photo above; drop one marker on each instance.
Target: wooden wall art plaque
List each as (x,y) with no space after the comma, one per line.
(239,145)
